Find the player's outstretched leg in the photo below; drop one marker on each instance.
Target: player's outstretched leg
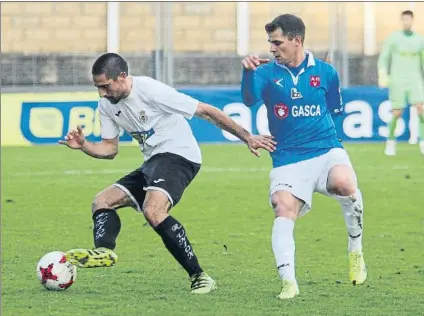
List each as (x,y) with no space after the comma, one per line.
(353,210)
(106,227)
(390,149)
(175,239)
(342,184)
(414,131)
(286,208)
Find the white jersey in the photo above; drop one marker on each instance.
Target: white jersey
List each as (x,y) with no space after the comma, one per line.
(153,114)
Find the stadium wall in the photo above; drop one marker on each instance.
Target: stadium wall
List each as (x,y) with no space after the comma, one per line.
(48,44)
(42,119)
(80,27)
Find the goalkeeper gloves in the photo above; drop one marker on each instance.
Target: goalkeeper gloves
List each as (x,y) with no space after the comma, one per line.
(383,78)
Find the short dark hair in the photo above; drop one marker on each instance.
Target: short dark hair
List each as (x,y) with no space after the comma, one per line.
(289,24)
(109,64)
(408,12)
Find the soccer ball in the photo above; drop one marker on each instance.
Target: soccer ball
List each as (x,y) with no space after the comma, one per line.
(54,272)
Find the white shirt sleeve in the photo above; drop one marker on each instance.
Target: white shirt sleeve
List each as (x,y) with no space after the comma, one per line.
(170,100)
(108,127)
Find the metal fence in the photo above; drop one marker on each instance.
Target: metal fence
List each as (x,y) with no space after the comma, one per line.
(37,71)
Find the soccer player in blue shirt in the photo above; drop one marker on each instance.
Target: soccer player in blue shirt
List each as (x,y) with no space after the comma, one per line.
(303,101)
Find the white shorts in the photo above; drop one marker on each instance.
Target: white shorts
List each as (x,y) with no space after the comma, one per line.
(304,178)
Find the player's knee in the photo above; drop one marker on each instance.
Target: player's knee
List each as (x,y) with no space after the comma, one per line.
(341,181)
(285,205)
(420,108)
(100,201)
(397,113)
(154,212)
(342,186)
(155,207)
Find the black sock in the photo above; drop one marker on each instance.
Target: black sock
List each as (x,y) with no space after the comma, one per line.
(106,228)
(174,237)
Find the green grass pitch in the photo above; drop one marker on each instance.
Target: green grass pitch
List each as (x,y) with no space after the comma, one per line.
(46,198)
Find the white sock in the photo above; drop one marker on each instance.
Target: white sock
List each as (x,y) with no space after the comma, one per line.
(283,247)
(353,211)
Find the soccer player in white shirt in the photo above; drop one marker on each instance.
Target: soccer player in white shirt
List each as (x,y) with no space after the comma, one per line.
(155,115)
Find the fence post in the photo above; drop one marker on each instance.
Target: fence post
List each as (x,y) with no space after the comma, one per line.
(113,27)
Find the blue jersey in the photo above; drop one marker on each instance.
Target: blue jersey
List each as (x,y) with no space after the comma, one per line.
(301,103)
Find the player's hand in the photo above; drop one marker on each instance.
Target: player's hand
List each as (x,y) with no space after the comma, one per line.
(257,141)
(75,139)
(252,61)
(383,79)
(383,83)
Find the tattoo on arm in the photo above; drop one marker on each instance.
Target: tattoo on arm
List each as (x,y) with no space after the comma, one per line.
(224,122)
(97,154)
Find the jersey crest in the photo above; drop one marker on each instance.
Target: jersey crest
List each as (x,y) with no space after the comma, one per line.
(281,111)
(143,117)
(314,81)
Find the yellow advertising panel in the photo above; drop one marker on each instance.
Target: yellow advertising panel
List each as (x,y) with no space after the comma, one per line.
(44,118)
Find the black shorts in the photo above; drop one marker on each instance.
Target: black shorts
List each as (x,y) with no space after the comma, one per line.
(166,172)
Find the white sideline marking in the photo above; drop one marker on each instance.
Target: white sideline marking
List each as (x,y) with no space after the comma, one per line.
(121,171)
(77,172)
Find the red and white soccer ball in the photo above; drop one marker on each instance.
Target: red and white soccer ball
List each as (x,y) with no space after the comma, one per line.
(56,273)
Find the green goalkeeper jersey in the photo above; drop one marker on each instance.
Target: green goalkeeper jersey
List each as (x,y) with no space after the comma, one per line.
(402,56)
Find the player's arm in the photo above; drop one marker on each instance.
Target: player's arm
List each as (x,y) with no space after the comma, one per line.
(253,80)
(224,122)
(106,149)
(383,62)
(169,100)
(221,120)
(334,99)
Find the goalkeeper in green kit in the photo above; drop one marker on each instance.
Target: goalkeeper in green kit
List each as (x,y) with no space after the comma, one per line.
(403,55)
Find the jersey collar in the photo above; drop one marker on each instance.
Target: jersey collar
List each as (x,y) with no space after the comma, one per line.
(310,63)
(309,56)
(311,59)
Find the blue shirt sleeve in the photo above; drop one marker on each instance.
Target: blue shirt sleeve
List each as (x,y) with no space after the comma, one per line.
(334,97)
(253,86)
(334,100)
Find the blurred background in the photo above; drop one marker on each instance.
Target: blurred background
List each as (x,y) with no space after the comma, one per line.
(48,49)
(51,44)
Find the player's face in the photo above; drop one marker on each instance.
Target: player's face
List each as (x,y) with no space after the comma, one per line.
(113,90)
(283,49)
(406,22)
